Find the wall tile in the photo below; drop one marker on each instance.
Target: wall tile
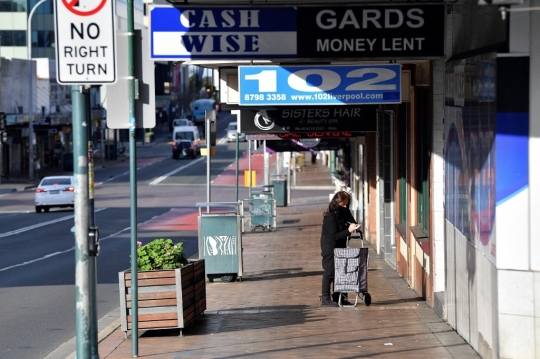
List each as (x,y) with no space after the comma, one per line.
(516,337)
(515,292)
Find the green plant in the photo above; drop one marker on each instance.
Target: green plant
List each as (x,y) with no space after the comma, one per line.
(160,254)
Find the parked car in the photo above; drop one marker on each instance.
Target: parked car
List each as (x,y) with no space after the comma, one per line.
(185,148)
(232,127)
(55,191)
(182,122)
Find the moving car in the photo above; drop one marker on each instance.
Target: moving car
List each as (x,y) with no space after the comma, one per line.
(55,191)
(232,127)
(186,133)
(185,148)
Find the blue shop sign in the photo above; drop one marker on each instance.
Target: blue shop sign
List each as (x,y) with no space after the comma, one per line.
(218,33)
(319,85)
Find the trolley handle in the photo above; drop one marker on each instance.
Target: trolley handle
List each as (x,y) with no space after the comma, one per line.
(356,235)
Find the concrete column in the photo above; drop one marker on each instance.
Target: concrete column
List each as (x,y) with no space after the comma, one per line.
(437,184)
(534,168)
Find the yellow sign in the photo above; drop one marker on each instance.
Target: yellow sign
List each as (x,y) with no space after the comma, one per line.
(253,178)
(204,151)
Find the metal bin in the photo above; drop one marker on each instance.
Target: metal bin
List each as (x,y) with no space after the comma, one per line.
(280,189)
(220,239)
(262,212)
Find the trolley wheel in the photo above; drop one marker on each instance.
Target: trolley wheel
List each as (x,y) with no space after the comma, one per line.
(367,299)
(228,278)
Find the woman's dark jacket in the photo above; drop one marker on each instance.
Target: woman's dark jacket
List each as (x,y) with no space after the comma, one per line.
(335,230)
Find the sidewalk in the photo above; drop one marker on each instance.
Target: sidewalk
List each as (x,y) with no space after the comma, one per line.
(274,312)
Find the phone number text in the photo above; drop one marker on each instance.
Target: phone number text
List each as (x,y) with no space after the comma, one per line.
(266,97)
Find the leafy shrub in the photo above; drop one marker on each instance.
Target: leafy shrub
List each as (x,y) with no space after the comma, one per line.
(160,254)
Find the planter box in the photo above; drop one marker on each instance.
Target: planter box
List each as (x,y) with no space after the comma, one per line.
(166,298)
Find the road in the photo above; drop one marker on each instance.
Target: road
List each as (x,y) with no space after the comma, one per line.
(37,261)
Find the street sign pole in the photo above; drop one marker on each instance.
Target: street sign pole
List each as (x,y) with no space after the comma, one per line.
(209,121)
(92,232)
(82,268)
(82,29)
(133,182)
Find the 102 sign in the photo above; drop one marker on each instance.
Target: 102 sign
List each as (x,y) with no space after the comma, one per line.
(319,85)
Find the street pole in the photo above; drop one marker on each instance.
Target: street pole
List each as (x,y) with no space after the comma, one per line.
(80,172)
(208,148)
(30,94)
(133,182)
(249,167)
(92,265)
(266,165)
(102,135)
(236,159)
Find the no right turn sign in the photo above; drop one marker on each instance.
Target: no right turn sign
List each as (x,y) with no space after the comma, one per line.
(85,42)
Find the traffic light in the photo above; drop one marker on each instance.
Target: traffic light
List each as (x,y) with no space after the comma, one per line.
(211,90)
(211,121)
(4,136)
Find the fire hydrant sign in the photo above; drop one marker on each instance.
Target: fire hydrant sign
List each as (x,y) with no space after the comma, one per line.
(85,42)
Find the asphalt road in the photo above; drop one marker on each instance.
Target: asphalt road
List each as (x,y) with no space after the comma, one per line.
(37,260)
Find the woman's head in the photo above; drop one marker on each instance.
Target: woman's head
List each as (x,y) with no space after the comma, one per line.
(340,199)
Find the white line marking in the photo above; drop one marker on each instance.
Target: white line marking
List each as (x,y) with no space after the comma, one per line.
(138,168)
(42,224)
(15,212)
(161,178)
(165,176)
(58,253)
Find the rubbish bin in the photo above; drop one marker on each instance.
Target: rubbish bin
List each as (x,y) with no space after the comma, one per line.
(262,211)
(220,239)
(280,189)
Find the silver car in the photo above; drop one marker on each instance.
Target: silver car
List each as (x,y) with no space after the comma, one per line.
(55,191)
(232,127)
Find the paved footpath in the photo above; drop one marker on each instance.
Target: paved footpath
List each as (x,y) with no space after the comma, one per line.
(274,312)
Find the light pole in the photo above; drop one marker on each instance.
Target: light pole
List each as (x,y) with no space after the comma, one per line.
(30,99)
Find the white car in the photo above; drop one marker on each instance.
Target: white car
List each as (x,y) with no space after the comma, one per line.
(182,122)
(231,132)
(55,191)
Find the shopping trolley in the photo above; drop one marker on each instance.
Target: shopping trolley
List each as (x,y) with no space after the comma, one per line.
(351,271)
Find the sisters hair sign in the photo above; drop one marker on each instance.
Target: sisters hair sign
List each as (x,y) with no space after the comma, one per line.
(371,31)
(309,119)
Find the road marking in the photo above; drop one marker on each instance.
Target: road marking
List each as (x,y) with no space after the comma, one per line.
(42,224)
(164,177)
(47,256)
(161,178)
(15,212)
(157,160)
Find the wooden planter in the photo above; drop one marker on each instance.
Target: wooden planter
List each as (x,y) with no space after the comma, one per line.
(166,298)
